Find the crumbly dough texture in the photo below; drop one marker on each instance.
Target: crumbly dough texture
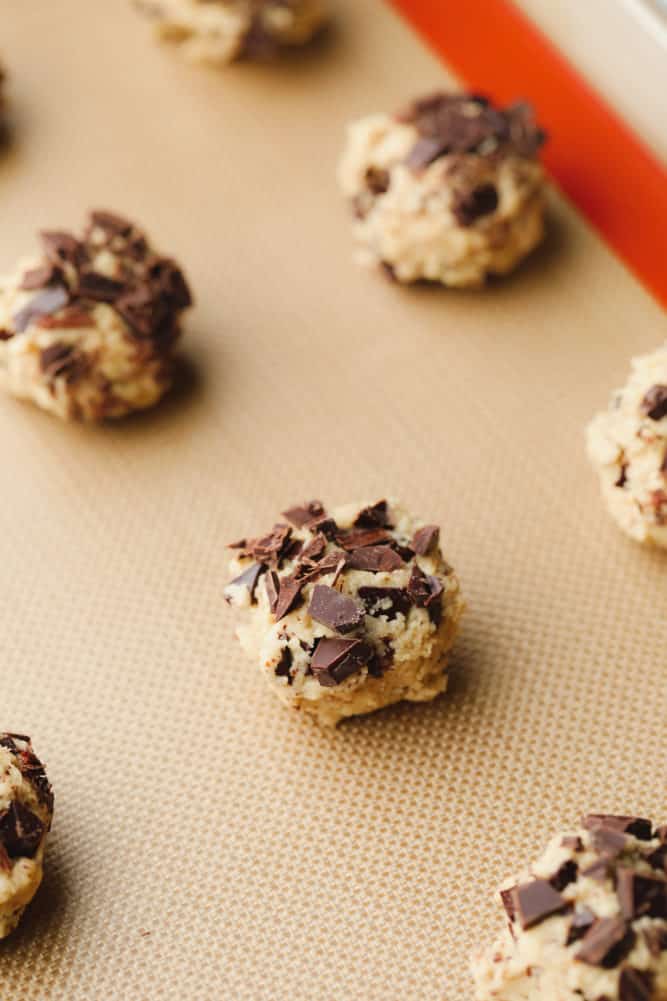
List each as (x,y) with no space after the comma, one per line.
(450,190)
(87,330)
(26,811)
(587,921)
(220,31)
(627,445)
(397,620)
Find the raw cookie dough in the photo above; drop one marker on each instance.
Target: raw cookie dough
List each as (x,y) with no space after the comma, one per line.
(449,190)
(219,31)
(87,330)
(26,811)
(349,611)
(627,445)
(587,921)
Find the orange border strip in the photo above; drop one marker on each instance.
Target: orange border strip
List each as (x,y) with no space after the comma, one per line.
(597,160)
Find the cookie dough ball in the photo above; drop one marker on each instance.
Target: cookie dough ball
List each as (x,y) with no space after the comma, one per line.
(450,190)
(87,329)
(627,445)
(26,811)
(587,921)
(349,611)
(219,31)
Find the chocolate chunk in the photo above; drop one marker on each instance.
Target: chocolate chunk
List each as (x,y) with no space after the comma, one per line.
(425,592)
(574,843)
(112,223)
(333,562)
(6,335)
(62,248)
(377,180)
(33,770)
(579,925)
(566,874)
(426,151)
(303,514)
(314,551)
(661,833)
(272,585)
(640,895)
(93,285)
(45,274)
(269,549)
(282,668)
(49,300)
(21,831)
(335,610)
(637,826)
(656,939)
(425,539)
(376,559)
(536,901)
(606,943)
(63,360)
(71,318)
(326,525)
(359,538)
(600,871)
(389,601)
(335,660)
(470,206)
(658,859)
(375,516)
(249,579)
(654,404)
(635,985)
(608,842)
(289,596)
(507,897)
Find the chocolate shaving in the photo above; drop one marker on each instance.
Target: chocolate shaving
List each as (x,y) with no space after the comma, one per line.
(359,538)
(289,596)
(425,592)
(606,943)
(98,287)
(335,660)
(49,300)
(62,248)
(536,901)
(21,831)
(272,585)
(63,360)
(282,668)
(303,514)
(335,610)
(376,559)
(425,539)
(388,601)
(375,516)
(249,579)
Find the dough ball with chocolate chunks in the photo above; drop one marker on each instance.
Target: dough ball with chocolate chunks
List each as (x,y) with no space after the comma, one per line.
(87,328)
(627,445)
(220,31)
(26,811)
(449,190)
(587,921)
(346,611)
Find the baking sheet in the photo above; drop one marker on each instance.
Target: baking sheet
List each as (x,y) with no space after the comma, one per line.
(207,843)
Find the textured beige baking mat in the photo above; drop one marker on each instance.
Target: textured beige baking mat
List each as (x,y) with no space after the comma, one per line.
(207,844)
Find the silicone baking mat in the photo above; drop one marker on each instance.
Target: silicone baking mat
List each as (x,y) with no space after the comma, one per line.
(207,843)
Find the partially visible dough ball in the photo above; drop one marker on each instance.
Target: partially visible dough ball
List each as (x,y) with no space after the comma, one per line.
(220,31)
(87,329)
(349,611)
(587,921)
(627,445)
(26,811)
(449,190)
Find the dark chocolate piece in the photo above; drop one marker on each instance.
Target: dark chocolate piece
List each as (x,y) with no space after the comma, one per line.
(637,826)
(375,516)
(359,538)
(335,660)
(425,592)
(335,610)
(272,585)
(39,277)
(579,925)
(376,559)
(289,596)
(249,579)
(566,874)
(63,360)
(635,985)
(606,943)
(573,842)
(303,514)
(536,901)
(377,180)
(469,206)
(282,668)
(389,601)
(425,539)
(640,895)
(21,831)
(93,285)
(49,300)
(654,404)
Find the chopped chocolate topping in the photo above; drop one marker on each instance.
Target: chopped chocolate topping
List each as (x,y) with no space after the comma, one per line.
(303,514)
(661,833)
(282,669)
(658,859)
(389,601)
(249,579)
(335,660)
(536,901)
(33,770)
(656,939)
(467,123)
(71,318)
(425,592)
(114,224)
(269,549)
(49,300)
(565,875)
(6,335)
(327,526)
(272,585)
(574,843)
(654,404)
(98,287)
(314,551)
(640,895)
(289,596)
(62,248)
(606,943)
(635,985)
(600,870)
(63,360)
(45,274)
(375,516)
(359,538)
(507,898)
(608,842)
(335,610)
(21,831)
(579,925)
(425,539)
(637,826)
(376,559)
(469,206)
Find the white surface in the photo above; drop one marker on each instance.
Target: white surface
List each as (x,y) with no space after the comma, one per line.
(621,47)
